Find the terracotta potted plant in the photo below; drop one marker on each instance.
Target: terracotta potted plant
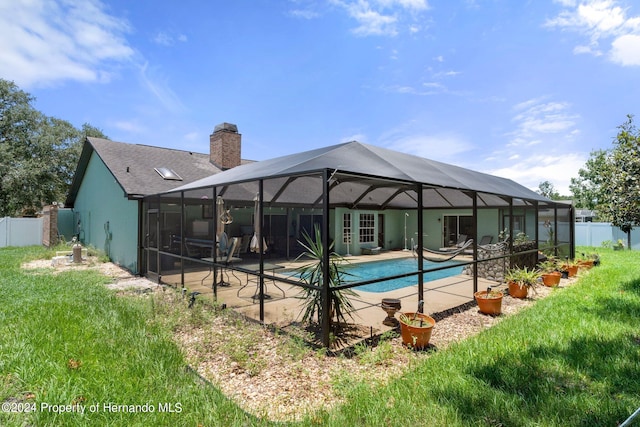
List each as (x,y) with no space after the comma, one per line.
(489,301)
(520,280)
(549,272)
(571,267)
(588,261)
(416,328)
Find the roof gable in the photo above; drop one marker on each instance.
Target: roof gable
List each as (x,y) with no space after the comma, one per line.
(134,166)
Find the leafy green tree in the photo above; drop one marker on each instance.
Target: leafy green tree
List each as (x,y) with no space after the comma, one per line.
(38,154)
(547,190)
(610,181)
(624,179)
(589,189)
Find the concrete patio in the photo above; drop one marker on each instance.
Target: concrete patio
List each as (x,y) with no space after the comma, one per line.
(284,307)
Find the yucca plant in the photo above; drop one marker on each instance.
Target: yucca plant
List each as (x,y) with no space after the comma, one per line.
(312,274)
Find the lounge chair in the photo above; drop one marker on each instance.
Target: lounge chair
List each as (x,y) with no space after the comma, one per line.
(462,240)
(486,240)
(371,251)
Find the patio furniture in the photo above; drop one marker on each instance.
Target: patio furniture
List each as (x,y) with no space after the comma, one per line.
(255,267)
(230,259)
(462,240)
(371,251)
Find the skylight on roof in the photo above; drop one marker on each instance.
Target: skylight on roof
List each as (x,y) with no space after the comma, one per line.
(168,174)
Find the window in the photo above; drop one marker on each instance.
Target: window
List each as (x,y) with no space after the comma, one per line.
(346,228)
(168,174)
(518,224)
(367,228)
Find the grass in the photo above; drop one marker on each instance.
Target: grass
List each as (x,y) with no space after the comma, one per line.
(572,359)
(65,340)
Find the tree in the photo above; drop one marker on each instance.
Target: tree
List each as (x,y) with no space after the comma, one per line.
(38,154)
(610,181)
(624,179)
(589,190)
(547,190)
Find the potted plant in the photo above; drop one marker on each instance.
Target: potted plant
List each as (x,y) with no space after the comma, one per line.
(416,328)
(312,274)
(571,267)
(489,301)
(589,261)
(550,273)
(520,280)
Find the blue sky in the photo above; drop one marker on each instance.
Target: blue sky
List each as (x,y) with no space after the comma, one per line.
(520,89)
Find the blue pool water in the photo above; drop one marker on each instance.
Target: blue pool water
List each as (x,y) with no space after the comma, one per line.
(375,269)
(372,270)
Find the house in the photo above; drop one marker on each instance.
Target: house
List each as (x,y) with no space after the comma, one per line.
(372,190)
(112,178)
(361,199)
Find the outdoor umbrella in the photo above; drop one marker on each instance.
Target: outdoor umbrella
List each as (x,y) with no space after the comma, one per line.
(254,246)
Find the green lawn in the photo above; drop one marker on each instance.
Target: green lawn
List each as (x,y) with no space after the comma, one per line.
(64,339)
(573,359)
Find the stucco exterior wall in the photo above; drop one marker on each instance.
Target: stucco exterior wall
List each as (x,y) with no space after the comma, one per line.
(107,219)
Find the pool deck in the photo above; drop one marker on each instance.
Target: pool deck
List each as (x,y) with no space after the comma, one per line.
(284,308)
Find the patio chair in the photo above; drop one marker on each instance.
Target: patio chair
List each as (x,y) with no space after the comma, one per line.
(370,251)
(223,244)
(462,240)
(233,248)
(485,240)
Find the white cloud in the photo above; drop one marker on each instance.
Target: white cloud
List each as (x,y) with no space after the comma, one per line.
(304,13)
(600,21)
(444,147)
(625,50)
(426,89)
(129,126)
(449,73)
(44,42)
(532,169)
(535,117)
(382,17)
(166,39)
(588,50)
(408,4)
(536,149)
(159,88)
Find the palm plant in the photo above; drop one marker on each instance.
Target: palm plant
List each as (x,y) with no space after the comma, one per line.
(523,276)
(312,274)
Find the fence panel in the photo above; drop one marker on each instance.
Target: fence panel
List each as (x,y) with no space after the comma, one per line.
(20,231)
(595,233)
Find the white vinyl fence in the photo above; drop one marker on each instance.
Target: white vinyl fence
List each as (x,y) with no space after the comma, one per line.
(597,233)
(20,231)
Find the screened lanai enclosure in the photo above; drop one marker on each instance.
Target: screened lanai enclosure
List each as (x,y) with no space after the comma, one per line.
(237,234)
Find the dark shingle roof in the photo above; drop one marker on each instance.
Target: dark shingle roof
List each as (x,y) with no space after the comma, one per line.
(132,165)
(372,161)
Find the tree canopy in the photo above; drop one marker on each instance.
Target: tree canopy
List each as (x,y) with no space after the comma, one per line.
(610,180)
(548,190)
(623,182)
(38,154)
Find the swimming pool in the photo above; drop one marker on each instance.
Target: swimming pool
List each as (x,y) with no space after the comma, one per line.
(372,270)
(375,269)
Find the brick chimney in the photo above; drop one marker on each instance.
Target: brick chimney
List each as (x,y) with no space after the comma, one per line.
(224,145)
